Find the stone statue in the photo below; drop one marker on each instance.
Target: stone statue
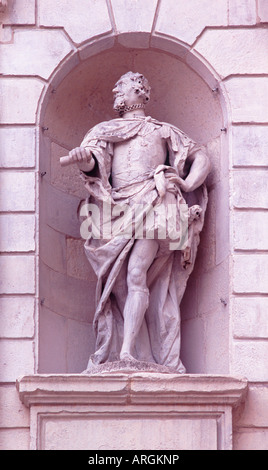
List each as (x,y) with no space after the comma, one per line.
(137,166)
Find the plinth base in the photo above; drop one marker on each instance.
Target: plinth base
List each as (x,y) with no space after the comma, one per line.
(130,367)
(131,411)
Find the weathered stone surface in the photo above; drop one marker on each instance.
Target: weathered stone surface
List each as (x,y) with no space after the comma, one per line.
(53,248)
(81,339)
(250,317)
(19,99)
(68,181)
(17,358)
(70,297)
(81,24)
(248,360)
(19,12)
(250,273)
(17,317)
(127,367)
(14,439)
(61,210)
(242,13)
(193,405)
(250,230)
(17,274)
(263,11)
(250,188)
(248,98)
(134,16)
(176,433)
(216,278)
(12,413)
(52,342)
(17,232)
(250,145)
(34,52)
(255,409)
(77,262)
(17,191)
(186,20)
(17,147)
(246,44)
(251,439)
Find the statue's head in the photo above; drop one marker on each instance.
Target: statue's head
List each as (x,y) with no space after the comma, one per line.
(131,89)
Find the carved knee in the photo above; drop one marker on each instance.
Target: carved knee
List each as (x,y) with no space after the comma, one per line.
(136,278)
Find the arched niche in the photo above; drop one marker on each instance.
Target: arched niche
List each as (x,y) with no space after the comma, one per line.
(79,96)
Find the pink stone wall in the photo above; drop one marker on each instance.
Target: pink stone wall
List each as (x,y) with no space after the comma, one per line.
(47,51)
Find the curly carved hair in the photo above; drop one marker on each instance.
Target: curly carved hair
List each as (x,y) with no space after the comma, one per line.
(140,84)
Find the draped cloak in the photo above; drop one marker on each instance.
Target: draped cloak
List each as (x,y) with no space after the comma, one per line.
(159,338)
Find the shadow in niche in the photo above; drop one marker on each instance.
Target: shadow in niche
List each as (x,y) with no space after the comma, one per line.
(67,283)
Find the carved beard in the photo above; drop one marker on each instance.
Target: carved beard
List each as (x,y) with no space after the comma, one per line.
(119,103)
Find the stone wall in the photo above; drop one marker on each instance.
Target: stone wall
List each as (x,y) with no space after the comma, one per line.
(43,44)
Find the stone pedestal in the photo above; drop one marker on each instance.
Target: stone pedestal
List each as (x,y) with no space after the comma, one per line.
(131,411)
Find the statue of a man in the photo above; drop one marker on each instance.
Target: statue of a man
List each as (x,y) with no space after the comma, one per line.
(131,162)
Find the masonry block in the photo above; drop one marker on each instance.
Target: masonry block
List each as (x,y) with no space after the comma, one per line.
(263,11)
(248,98)
(67,296)
(67,179)
(61,210)
(17,317)
(34,52)
(255,409)
(242,13)
(19,12)
(250,145)
(248,360)
(250,273)
(250,230)
(53,248)
(6,34)
(17,274)
(17,191)
(135,16)
(186,20)
(17,358)
(250,189)
(250,317)
(19,99)
(52,342)
(250,439)
(244,43)
(12,414)
(217,279)
(17,147)
(80,345)
(78,265)
(17,232)
(81,23)
(14,439)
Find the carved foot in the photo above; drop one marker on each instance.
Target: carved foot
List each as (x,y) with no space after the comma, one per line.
(125,356)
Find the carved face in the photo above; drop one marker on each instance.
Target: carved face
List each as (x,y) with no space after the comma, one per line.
(125,94)
(131,88)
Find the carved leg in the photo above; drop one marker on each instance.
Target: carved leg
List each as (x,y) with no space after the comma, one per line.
(140,260)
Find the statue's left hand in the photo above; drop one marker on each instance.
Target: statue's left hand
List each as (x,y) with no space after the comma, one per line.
(184,186)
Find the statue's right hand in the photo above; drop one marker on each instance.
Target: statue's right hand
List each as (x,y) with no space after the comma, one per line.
(83,157)
(80,155)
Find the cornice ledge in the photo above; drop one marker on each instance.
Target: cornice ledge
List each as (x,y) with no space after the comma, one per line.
(131,388)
